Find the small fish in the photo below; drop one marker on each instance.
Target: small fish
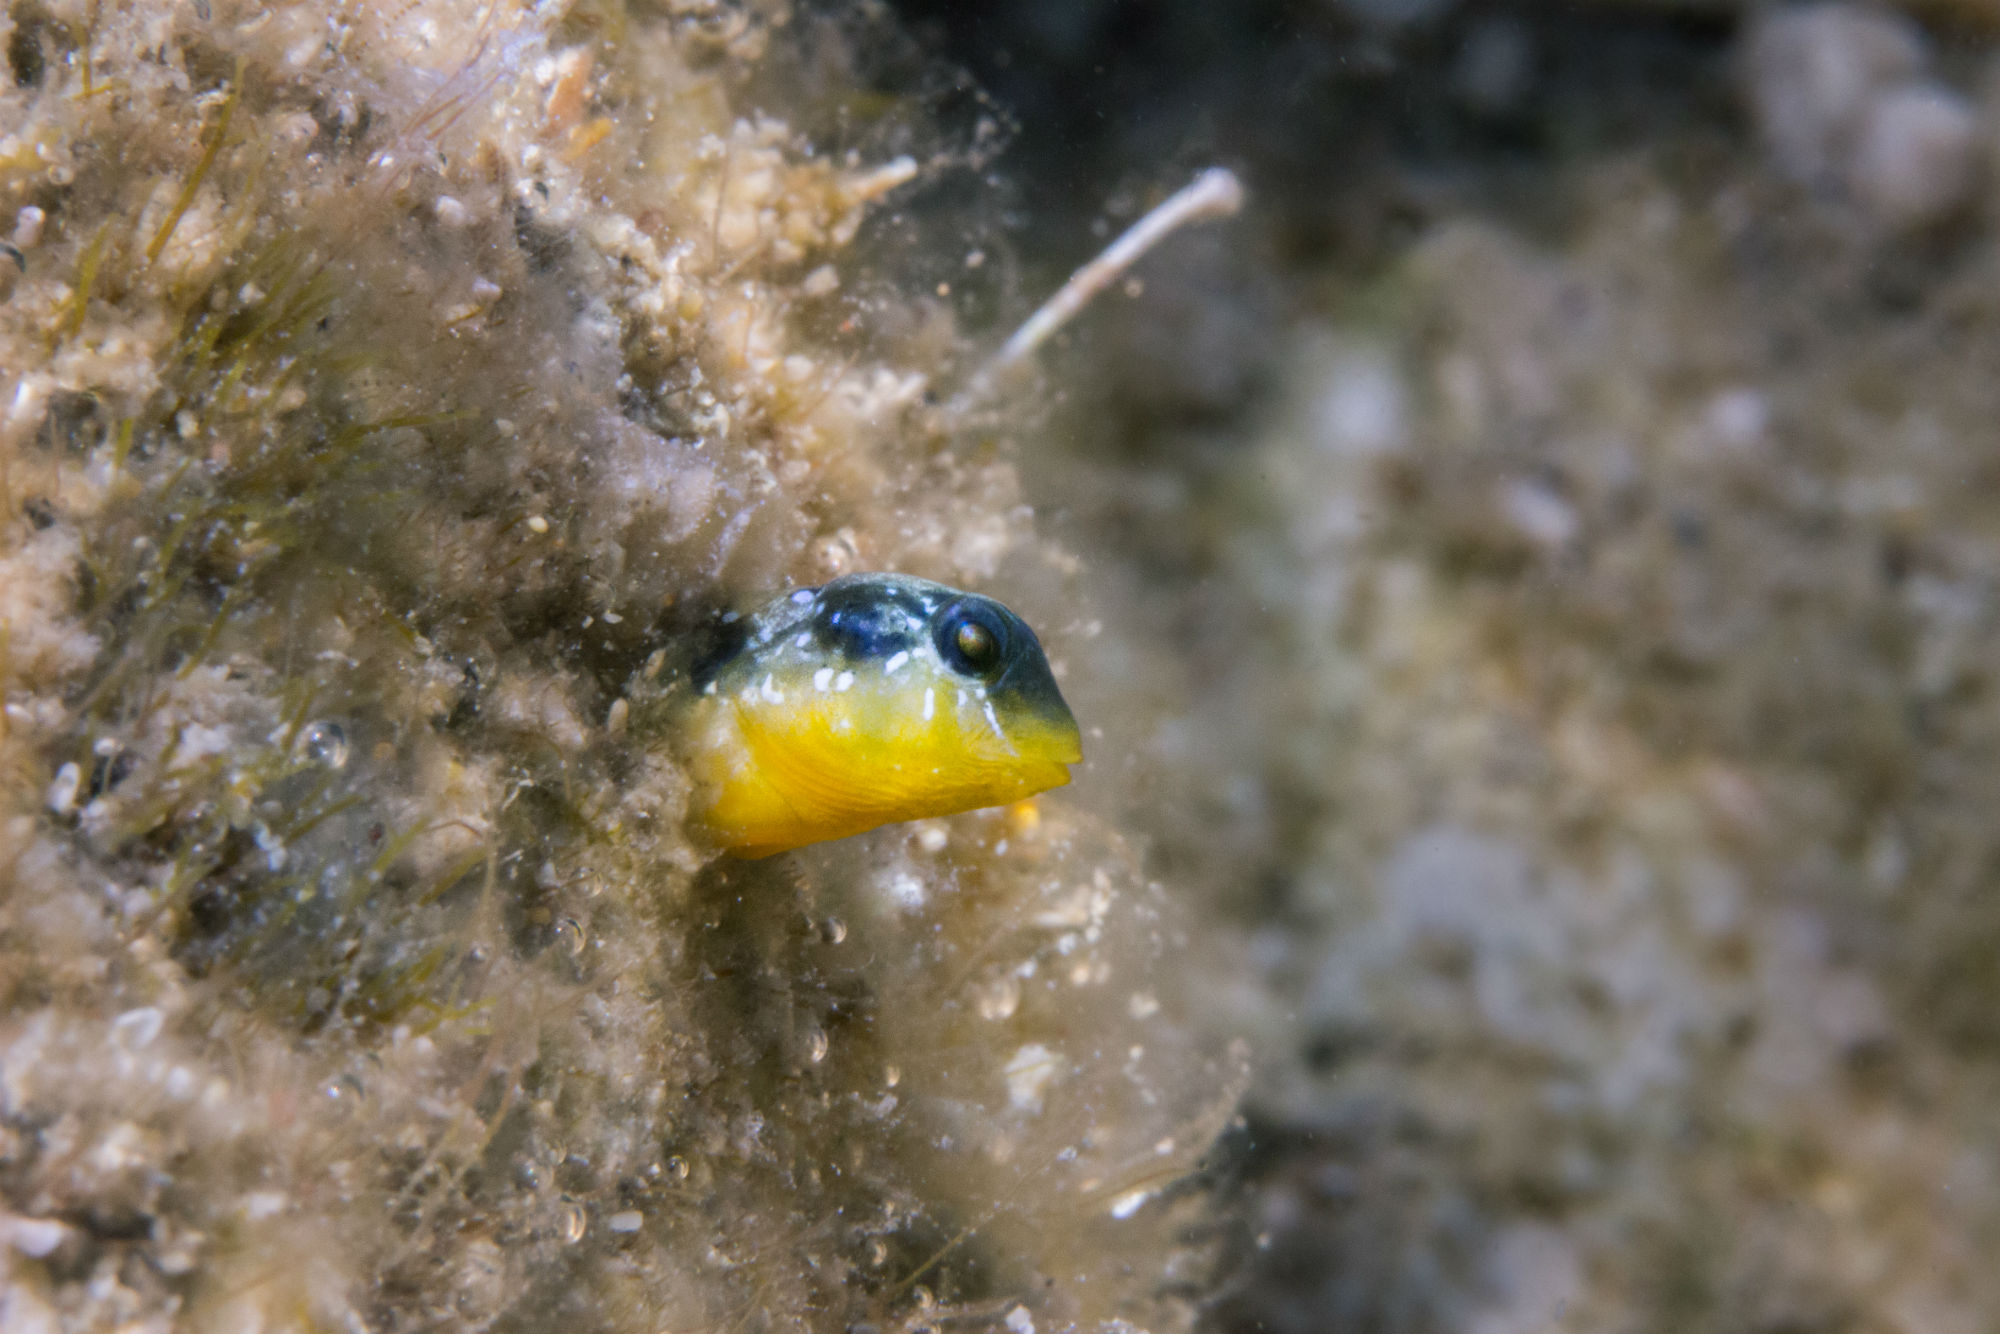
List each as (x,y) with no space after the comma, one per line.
(873,699)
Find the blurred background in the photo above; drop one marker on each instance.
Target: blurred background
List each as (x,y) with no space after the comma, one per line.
(1546,554)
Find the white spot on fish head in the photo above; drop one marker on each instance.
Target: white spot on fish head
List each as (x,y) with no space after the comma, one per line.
(823,678)
(895,664)
(993,721)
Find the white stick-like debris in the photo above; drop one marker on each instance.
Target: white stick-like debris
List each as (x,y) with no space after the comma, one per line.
(1216,193)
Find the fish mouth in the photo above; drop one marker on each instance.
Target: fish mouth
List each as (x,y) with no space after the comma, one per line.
(1071,751)
(1049,739)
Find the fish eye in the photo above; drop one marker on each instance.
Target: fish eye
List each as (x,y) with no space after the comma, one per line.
(974,643)
(971,638)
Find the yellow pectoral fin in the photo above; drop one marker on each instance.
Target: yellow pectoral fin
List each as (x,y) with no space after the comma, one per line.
(831,770)
(783,778)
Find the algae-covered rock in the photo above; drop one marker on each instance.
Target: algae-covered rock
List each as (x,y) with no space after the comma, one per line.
(390,390)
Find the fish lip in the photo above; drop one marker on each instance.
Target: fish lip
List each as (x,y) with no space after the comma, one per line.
(1056,740)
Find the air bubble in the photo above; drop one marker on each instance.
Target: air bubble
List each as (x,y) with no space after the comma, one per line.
(677,1168)
(816,1045)
(325,744)
(833,931)
(572,1223)
(569,936)
(878,1253)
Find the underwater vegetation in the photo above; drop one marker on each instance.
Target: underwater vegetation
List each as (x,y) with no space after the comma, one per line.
(1527,589)
(392,393)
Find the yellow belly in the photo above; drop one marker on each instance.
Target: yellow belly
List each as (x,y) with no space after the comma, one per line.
(773,775)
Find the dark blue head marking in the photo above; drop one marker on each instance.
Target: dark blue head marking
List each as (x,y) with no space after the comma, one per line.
(873,617)
(717,643)
(865,619)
